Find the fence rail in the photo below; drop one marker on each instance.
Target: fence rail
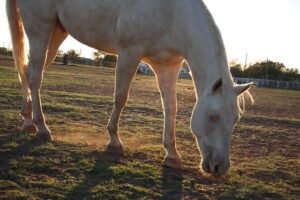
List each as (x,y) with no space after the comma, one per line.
(270,83)
(292,85)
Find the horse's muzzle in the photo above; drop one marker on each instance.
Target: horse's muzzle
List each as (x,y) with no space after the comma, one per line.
(215,165)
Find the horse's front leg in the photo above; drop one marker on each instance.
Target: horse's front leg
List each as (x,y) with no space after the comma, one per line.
(128,62)
(166,78)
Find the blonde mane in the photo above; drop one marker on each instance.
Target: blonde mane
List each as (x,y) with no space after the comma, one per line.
(242,99)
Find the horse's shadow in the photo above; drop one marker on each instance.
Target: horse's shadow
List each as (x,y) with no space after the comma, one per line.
(23,148)
(168,184)
(100,173)
(171,181)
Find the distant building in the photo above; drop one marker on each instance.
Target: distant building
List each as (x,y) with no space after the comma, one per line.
(184,71)
(145,69)
(185,68)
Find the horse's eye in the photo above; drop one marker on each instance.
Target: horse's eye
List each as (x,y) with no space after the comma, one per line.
(214,118)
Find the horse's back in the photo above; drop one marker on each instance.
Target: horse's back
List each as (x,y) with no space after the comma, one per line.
(109,24)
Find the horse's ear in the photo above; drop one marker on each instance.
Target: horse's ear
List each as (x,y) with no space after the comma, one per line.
(217,86)
(240,89)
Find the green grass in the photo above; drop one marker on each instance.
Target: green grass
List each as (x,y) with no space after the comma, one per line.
(77,103)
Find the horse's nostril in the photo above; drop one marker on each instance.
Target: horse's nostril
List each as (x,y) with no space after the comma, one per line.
(216,166)
(216,169)
(205,166)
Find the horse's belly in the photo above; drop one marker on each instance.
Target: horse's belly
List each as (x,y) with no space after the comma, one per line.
(90,23)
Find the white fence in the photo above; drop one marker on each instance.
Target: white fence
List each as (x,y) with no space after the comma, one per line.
(293,85)
(270,83)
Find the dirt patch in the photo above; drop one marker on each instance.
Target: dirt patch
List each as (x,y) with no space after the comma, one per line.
(101,140)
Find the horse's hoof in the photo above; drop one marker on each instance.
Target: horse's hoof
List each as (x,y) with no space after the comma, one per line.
(44,136)
(115,149)
(172,163)
(29,128)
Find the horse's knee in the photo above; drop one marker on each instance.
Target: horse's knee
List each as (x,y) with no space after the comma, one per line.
(34,81)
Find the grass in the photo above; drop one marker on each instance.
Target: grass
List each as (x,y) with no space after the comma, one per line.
(77,102)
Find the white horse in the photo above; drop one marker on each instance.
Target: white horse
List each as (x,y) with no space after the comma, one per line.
(160,33)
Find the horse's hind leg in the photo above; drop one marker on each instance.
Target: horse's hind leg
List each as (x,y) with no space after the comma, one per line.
(57,38)
(127,65)
(35,75)
(166,77)
(26,112)
(39,34)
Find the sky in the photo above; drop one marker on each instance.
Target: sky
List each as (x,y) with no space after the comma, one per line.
(262,29)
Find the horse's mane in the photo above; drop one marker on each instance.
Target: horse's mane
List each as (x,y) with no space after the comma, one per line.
(224,68)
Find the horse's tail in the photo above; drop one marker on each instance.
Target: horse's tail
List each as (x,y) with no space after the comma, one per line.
(18,39)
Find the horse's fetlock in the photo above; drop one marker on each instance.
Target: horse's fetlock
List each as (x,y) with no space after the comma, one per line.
(38,120)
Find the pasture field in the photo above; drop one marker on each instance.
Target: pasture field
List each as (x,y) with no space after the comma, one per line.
(77,101)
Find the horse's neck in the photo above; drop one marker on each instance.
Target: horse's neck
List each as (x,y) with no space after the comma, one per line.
(206,53)
(207,68)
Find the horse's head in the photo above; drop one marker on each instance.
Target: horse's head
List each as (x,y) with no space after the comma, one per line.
(213,119)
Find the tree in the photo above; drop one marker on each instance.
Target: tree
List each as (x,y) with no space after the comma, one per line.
(272,70)
(5,51)
(60,54)
(110,61)
(72,54)
(291,75)
(110,58)
(98,56)
(236,69)
(265,70)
